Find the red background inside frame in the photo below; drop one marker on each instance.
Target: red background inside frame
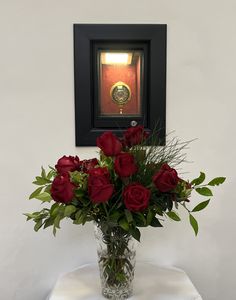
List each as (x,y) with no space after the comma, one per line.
(111,74)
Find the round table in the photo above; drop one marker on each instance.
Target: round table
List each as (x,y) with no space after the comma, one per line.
(151,283)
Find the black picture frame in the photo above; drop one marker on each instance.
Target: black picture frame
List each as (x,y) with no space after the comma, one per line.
(88,38)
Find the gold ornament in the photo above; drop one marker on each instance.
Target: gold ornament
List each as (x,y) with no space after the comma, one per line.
(120,94)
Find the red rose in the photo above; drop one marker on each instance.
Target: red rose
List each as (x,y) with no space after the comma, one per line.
(109,144)
(125,165)
(166,179)
(99,171)
(67,164)
(99,187)
(134,135)
(136,197)
(87,164)
(62,190)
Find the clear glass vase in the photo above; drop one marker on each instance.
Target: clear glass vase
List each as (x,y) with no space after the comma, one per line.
(116,259)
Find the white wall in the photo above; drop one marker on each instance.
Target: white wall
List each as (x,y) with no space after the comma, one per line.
(37,127)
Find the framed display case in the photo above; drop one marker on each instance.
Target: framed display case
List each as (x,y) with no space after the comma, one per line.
(120,79)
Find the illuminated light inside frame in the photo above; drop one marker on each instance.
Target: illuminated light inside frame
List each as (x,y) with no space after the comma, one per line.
(119,58)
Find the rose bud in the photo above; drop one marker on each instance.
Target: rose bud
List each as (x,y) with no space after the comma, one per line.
(68,164)
(87,164)
(136,197)
(62,190)
(109,144)
(135,135)
(125,165)
(166,179)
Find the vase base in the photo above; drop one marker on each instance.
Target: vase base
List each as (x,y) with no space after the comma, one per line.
(117,294)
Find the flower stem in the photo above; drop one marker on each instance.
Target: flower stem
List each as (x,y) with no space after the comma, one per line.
(105,208)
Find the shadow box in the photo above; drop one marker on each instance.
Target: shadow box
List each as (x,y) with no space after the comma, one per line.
(120,79)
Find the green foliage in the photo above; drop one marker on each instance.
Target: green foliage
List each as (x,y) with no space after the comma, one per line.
(80,179)
(41,181)
(31,216)
(38,225)
(48,222)
(114,217)
(54,209)
(69,210)
(124,224)
(204,191)
(163,202)
(201,206)
(57,221)
(156,223)
(150,216)
(199,179)
(79,217)
(36,192)
(43,192)
(129,216)
(114,213)
(193,223)
(134,231)
(217,181)
(172,215)
(140,220)
(44,197)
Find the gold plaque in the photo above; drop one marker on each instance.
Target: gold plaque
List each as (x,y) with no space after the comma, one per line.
(120,94)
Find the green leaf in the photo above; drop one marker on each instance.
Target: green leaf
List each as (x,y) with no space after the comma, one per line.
(48,189)
(28,217)
(78,214)
(48,222)
(75,202)
(135,233)
(78,217)
(89,218)
(61,210)
(129,216)
(53,169)
(45,197)
(156,223)
(140,219)
(69,210)
(57,221)
(54,230)
(85,201)
(150,216)
(31,216)
(124,224)
(172,215)
(204,191)
(43,173)
(199,179)
(78,221)
(217,181)
(50,174)
(193,223)
(36,192)
(201,205)
(38,225)
(41,181)
(54,209)
(115,216)
(79,193)
(159,210)
(41,216)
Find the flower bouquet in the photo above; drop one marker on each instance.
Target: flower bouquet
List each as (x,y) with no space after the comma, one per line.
(133,184)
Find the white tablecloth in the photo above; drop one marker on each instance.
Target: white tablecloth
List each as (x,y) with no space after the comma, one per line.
(151,283)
